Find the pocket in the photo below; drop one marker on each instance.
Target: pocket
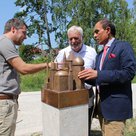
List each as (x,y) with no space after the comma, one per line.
(4,108)
(119,96)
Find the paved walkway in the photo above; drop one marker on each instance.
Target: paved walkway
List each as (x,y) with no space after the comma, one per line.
(29,119)
(30,114)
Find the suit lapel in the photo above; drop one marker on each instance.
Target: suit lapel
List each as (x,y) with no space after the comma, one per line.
(109,52)
(98,60)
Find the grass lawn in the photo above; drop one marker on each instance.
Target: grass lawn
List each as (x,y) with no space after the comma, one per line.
(134,80)
(33,82)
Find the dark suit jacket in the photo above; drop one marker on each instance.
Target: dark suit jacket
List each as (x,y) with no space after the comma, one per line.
(114,81)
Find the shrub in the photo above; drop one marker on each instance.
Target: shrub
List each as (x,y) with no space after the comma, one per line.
(33,82)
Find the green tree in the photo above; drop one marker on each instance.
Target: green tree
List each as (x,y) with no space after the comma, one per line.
(28,52)
(35,13)
(86,14)
(55,16)
(121,16)
(132,29)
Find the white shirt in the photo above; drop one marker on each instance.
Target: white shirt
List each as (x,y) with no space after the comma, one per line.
(87,53)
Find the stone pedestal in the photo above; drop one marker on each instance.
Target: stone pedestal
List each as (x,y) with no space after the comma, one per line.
(65,101)
(65,113)
(68,121)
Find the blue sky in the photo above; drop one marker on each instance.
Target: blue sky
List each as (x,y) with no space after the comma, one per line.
(7,11)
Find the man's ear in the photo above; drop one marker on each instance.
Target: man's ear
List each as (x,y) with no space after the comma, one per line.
(108,30)
(13,29)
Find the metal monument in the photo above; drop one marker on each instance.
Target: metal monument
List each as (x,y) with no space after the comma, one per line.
(63,88)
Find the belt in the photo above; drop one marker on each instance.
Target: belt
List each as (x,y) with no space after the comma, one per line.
(8,96)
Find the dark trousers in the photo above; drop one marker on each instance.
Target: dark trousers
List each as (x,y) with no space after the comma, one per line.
(90,117)
(90,110)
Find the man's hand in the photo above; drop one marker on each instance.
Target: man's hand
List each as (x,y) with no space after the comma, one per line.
(87,74)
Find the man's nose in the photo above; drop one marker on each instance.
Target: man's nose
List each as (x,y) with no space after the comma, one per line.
(95,35)
(25,36)
(73,40)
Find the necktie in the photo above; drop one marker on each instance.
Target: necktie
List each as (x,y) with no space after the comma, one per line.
(104,55)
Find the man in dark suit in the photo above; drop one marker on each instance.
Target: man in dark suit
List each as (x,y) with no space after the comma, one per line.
(112,77)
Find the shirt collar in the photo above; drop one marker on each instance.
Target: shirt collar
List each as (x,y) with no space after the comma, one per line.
(83,48)
(110,42)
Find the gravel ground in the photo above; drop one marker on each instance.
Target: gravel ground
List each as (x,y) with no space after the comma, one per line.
(29,122)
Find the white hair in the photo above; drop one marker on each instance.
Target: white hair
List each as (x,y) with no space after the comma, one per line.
(75,28)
